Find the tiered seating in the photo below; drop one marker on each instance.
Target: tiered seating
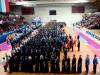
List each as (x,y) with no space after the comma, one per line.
(10,22)
(91,22)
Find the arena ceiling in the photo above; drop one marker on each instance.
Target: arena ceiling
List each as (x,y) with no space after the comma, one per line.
(55,2)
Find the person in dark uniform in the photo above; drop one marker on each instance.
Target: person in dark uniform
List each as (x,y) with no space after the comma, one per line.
(74,64)
(30,64)
(65,51)
(87,63)
(68,65)
(95,62)
(25,64)
(52,64)
(41,63)
(58,52)
(46,65)
(79,68)
(16,64)
(33,60)
(36,64)
(78,45)
(57,68)
(63,65)
(78,37)
(11,64)
(71,43)
(22,63)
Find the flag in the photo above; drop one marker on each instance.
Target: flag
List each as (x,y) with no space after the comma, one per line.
(4,6)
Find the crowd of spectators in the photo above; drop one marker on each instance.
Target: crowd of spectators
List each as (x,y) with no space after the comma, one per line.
(91,21)
(10,22)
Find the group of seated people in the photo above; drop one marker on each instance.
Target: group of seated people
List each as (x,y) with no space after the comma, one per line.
(91,21)
(10,22)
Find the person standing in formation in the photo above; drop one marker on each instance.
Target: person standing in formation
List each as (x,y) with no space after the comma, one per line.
(87,63)
(95,62)
(68,65)
(78,45)
(79,68)
(74,64)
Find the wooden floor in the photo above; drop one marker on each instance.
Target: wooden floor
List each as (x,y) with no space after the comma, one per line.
(85,49)
(95,31)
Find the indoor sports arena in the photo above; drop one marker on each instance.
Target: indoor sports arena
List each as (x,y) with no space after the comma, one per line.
(49,37)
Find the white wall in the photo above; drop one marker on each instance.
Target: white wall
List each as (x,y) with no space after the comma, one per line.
(63,14)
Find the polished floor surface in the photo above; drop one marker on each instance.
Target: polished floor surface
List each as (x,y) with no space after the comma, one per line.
(95,31)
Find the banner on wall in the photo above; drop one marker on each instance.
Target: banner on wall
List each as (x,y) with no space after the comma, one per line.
(4,6)
(93,35)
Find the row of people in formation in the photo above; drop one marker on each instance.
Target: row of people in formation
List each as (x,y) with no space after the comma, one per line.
(34,54)
(43,65)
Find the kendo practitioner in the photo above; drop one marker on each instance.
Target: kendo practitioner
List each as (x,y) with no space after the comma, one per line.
(78,45)
(57,67)
(74,64)
(63,65)
(87,63)
(33,60)
(30,64)
(58,52)
(65,51)
(41,63)
(23,63)
(46,65)
(11,64)
(68,65)
(59,43)
(16,64)
(78,37)
(12,44)
(36,64)
(71,42)
(95,62)
(52,64)
(79,68)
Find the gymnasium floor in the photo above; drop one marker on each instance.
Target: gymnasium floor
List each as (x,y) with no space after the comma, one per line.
(86,48)
(96,31)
